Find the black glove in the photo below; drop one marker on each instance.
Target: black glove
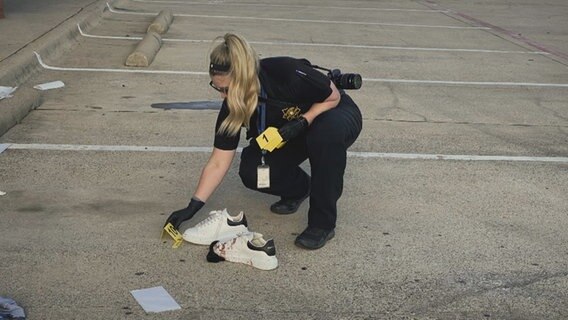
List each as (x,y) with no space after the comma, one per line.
(177,217)
(293,128)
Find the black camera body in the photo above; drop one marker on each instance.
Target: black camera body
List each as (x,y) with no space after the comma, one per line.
(346,81)
(343,81)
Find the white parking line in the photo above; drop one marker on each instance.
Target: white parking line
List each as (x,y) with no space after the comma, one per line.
(407,81)
(420,156)
(296,20)
(327,45)
(45,66)
(83,147)
(225,4)
(375,155)
(470,83)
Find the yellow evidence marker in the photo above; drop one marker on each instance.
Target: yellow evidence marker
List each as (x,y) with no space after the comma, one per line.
(270,139)
(178,239)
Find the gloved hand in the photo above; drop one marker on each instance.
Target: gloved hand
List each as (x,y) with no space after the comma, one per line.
(179,216)
(293,128)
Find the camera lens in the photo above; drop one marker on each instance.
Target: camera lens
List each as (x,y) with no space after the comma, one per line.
(350,81)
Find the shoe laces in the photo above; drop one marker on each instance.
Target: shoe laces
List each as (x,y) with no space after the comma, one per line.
(214,216)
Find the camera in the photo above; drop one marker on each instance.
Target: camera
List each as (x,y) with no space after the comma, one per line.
(345,81)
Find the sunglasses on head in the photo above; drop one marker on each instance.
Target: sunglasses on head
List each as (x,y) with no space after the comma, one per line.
(224,90)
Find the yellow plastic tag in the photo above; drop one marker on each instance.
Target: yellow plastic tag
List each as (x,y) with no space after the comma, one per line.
(178,239)
(270,139)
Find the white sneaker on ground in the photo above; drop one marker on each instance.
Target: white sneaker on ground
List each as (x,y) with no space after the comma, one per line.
(248,248)
(218,226)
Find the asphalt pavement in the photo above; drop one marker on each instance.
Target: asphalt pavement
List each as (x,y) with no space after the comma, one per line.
(455,196)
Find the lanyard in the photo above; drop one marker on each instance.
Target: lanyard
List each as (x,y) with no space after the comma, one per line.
(261,121)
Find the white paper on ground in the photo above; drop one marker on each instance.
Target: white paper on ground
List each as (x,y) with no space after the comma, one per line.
(6,92)
(50,85)
(155,299)
(2,193)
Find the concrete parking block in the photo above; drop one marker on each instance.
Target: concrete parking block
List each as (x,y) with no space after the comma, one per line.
(145,51)
(162,22)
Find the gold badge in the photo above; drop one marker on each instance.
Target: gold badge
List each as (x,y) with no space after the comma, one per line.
(291,113)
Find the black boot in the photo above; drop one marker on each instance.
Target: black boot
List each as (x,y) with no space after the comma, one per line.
(288,206)
(314,238)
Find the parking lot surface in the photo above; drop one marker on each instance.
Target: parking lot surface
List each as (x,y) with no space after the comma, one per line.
(455,196)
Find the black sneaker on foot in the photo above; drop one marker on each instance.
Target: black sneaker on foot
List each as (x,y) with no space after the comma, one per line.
(288,206)
(314,238)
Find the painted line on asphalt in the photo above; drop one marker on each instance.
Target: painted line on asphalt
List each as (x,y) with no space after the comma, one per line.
(335,22)
(420,156)
(83,147)
(48,67)
(470,83)
(224,4)
(334,45)
(351,154)
(404,81)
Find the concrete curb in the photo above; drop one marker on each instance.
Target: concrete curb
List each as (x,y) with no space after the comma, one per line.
(162,22)
(145,51)
(13,110)
(17,69)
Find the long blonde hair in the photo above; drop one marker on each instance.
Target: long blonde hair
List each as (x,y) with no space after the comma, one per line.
(242,97)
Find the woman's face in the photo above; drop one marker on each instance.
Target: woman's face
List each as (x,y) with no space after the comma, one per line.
(221,84)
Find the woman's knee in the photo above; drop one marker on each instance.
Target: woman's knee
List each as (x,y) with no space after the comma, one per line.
(323,133)
(334,127)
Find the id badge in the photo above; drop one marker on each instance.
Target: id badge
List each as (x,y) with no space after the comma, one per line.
(263,176)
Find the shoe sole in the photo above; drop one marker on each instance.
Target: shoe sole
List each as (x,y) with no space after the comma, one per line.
(329,237)
(284,212)
(262,264)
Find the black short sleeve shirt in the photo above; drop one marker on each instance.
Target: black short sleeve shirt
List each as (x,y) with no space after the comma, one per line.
(292,86)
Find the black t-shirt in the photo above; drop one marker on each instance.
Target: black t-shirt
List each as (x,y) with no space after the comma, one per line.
(292,86)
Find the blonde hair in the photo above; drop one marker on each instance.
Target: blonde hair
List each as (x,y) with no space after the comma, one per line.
(242,97)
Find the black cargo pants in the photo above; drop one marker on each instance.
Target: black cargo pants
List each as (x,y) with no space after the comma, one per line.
(325,145)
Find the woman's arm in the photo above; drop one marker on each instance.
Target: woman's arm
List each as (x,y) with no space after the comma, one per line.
(214,172)
(329,103)
(211,176)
